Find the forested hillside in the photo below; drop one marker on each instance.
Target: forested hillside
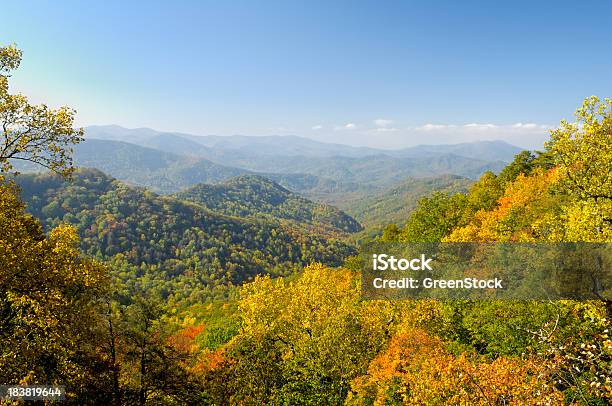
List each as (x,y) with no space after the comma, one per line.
(162,171)
(314,341)
(380,170)
(257,197)
(184,248)
(377,207)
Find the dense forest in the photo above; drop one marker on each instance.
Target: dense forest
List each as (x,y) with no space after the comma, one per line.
(183,249)
(128,297)
(257,197)
(379,207)
(317,342)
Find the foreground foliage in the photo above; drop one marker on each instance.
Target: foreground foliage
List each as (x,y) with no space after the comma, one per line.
(47,302)
(561,194)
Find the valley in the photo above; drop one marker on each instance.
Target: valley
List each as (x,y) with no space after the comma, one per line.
(165,216)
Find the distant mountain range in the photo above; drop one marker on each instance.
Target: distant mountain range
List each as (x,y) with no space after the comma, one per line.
(241,147)
(171,162)
(368,183)
(213,145)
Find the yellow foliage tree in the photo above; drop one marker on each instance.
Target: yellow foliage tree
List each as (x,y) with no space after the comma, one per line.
(33,133)
(49,297)
(304,340)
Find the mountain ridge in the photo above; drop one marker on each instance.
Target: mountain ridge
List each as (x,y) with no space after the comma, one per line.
(168,240)
(257,196)
(292,144)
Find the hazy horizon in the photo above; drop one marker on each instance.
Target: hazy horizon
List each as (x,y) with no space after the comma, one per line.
(452,142)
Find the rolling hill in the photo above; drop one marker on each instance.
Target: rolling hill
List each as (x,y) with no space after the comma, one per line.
(257,197)
(364,182)
(375,209)
(241,146)
(162,171)
(293,155)
(178,247)
(166,172)
(377,170)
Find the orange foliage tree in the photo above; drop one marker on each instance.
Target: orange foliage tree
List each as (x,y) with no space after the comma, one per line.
(416,368)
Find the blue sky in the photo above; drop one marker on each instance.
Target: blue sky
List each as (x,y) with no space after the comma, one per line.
(375,73)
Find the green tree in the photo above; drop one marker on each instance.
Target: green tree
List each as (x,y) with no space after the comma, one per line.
(524,163)
(152,369)
(434,218)
(391,233)
(302,342)
(484,193)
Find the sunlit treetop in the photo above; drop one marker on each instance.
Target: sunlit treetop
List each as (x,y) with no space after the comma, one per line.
(33,133)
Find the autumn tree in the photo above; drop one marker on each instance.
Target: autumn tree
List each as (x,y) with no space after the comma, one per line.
(10,58)
(518,214)
(303,341)
(417,369)
(583,150)
(49,294)
(154,364)
(49,298)
(33,133)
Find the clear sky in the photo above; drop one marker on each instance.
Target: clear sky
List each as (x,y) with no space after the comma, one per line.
(378,73)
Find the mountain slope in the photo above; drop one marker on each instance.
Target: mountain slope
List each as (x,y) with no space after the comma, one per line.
(176,144)
(394,205)
(376,170)
(256,196)
(162,171)
(487,150)
(249,146)
(169,242)
(174,161)
(166,172)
